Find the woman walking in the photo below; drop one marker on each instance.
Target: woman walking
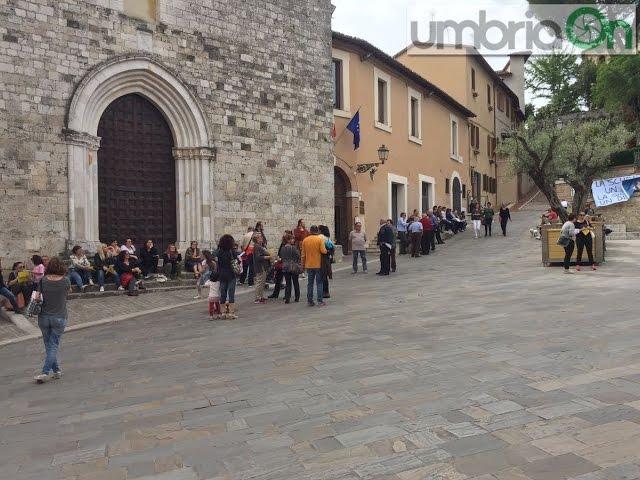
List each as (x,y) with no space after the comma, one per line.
(476,218)
(568,240)
(505,217)
(583,240)
(487,216)
(52,320)
(227,268)
(292,267)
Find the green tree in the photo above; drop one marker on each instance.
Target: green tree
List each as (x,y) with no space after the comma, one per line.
(553,78)
(585,154)
(617,88)
(578,152)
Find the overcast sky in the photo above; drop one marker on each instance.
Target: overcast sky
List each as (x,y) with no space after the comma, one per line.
(385,23)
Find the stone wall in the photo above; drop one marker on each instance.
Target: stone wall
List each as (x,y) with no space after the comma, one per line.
(259,69)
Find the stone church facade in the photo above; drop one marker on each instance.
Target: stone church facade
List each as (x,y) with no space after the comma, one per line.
(161,119)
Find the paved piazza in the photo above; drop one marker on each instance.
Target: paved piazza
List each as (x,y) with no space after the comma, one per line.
(476,363)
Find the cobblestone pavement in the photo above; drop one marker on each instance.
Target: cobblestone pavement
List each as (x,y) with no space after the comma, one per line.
(477,363)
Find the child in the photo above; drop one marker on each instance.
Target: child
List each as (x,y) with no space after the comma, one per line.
(215,312)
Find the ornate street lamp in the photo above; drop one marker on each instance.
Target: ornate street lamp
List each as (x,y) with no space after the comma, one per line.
(372,168)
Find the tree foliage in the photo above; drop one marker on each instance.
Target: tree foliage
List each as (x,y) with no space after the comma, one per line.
(578,152)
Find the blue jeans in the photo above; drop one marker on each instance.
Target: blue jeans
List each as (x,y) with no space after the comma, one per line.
(52,329)
(102,274)
(79,277)
(314,275)
(5,292)
(363,256)
(227,291)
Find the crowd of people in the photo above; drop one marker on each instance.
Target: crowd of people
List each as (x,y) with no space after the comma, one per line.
(302,253)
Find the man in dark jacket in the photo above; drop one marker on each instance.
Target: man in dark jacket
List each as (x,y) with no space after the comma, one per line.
(385,242)
(5,292)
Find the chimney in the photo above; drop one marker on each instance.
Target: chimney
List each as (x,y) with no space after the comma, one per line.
(515,74)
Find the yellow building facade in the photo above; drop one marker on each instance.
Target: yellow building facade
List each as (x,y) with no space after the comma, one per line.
(425,129)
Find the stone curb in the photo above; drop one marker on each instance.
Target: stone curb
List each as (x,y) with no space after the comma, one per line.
(35,334)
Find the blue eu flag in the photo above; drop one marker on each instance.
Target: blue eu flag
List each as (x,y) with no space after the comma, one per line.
(354,127)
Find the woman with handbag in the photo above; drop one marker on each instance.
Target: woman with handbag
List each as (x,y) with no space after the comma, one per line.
(128,270)
(583,240)
(229,268)
(278,267)
(567,240)
(291,267)
(52,319)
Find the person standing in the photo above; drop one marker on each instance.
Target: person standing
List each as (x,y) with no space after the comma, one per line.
(472,205)
(327,260)
(505,217)
(261,265)
(248,274)
(358,241)
(434,232)
(227,275)
(476,218)
(313,247)
(427,234)
(385,243)
(300,233)
(415,231)
(568,240)
(278,267)
(291,267)
(438,225)
(401,227)
(394,246)
(487,216)
(583,240)
(52,320)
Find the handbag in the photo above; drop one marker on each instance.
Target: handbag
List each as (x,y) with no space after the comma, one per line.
(236,266)
(294,268)
(563,241)
(35,305)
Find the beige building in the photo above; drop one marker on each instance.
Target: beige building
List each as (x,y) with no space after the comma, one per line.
(425,129)
(467,77)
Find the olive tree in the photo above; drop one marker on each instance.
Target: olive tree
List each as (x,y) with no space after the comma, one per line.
(578,152)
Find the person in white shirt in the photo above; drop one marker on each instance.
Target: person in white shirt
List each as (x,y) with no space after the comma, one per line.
(129,247)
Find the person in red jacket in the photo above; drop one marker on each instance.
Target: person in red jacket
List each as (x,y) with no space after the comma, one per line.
(300,233)
(427,234)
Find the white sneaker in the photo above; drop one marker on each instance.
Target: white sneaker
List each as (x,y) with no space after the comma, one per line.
(102,289)
(57,375)
(91,282)
(41,378)
(120,288)
(197,297)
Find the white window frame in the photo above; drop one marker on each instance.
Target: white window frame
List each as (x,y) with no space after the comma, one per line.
(344,57)
(391,179)
(380,75)
(411,95)
(432,192)
(454,156)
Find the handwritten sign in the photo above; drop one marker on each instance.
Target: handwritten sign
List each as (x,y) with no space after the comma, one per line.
(615,190)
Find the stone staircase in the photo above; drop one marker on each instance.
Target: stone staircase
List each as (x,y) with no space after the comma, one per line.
(620,232)
(185,282)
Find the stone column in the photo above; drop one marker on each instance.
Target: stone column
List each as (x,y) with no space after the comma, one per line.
(82,164)
(194,196)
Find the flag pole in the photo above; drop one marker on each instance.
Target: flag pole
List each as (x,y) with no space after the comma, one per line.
(345,128)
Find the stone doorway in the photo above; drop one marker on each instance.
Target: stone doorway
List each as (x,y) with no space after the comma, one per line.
(136,174)
(342,209)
